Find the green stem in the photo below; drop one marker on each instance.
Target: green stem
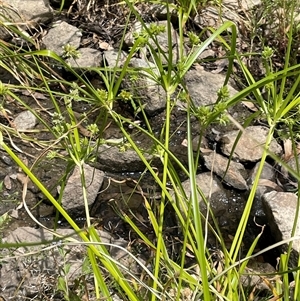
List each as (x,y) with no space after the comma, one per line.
(160,244)
(194,198)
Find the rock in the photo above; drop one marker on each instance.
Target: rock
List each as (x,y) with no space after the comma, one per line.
(29,12)
(212,189)
(203,143)
(250,145)
(226,205)
(33,10)
(25,121)
(73,197)
(114,58)
(267,181)
(145,89)
(206,183)
(232,10)
(235,174)
(60,35)
(203,86)
(160,11)
(252,276)
(285,177)
(110,158)
(280,209)
(33,271)
(88,57)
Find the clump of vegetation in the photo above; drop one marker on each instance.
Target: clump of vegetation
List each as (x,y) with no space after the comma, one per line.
(167,279)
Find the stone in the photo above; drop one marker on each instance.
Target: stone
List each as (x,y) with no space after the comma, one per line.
(267,183)
(267,173)
(226,205)
(110,158)
(212,16)
(33,270)
(203,86)
(25,121)
(235,174)
(30,267)
(29,12)
(60,35)
(114,58)
(209,185)
(213,191)
(250,145)
(72,199)
(251,277)
(280,209)
(145,89)
(7,15)
(33,10)
(88,58)
(285,176)
(160,11)
(203,143)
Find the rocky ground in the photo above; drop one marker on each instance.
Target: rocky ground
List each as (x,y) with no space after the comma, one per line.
(95,32)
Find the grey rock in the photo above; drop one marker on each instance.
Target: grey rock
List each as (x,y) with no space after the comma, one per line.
(73,196)
(231,11)
(250,145)
(285,177)
(213,191)
(235,174)
(267,181)
(203,143)
(25,121)
(110,158)
(32,270)
(136,28)
(7,15)
(207,53)
(145,89)
(60,35)
(209,185)
(251,276)
(88,57)
(33,10)
(226,206)
(203,86)
(280,208)
(29,12)
(114,58)
(160,11)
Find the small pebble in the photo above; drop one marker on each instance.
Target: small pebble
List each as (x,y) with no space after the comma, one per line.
(25,121)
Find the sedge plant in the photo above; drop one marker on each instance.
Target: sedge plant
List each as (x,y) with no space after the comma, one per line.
(67,136)
(208,283)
